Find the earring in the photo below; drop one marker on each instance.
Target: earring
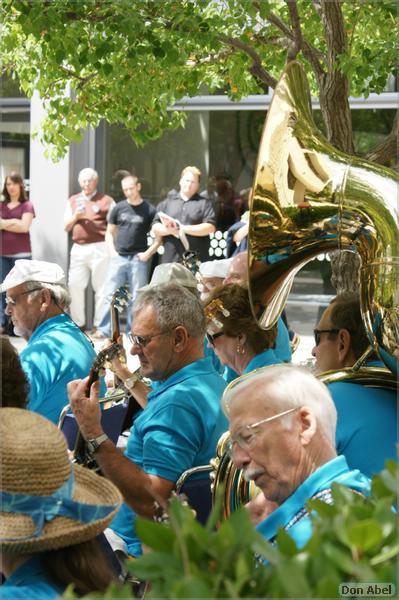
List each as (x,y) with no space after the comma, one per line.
(240,349)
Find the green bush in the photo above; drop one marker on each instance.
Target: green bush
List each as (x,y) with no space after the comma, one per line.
(354,540)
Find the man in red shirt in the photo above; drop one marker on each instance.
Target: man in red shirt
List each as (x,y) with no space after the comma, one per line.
(86,218)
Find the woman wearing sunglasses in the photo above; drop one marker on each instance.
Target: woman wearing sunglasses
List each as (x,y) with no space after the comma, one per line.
(233,333)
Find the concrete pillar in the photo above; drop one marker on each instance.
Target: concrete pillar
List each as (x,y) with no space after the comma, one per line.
(49,190)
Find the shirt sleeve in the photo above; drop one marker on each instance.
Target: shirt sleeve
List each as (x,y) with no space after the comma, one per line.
(27,207)
(112,217)
(209,215)
(160,208)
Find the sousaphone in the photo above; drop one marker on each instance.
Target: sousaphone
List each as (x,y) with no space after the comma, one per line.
(309,198)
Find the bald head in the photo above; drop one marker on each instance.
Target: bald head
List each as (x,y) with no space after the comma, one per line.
(238,271)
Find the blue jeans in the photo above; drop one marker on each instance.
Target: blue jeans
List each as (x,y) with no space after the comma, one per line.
(122,270)
(7,263)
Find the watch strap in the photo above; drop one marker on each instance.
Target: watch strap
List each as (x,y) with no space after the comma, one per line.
(94,443)
(131,381)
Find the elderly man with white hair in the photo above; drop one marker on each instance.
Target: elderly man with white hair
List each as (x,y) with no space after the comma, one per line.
(282,425)
(86,219)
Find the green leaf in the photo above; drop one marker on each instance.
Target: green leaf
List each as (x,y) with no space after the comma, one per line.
(365,535)
(155,535)
(285,543)
(340,559)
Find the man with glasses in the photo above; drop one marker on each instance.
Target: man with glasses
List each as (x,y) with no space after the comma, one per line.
(367,416)
(57,351)
(181,424)
(282,426)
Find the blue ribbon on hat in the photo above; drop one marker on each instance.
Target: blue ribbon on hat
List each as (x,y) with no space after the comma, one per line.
(42,509)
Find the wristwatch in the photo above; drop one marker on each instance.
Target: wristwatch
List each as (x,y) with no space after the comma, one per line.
(94,444)
(130,382)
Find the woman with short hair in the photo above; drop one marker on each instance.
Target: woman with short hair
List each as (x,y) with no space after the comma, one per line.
(233,333)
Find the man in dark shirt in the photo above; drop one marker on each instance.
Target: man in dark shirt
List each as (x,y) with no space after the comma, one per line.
(128,225)
(185,219)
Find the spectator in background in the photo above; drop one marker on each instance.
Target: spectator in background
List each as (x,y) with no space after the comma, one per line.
(14,383)
(52,512)
(86,218)
(16,216)
(128,226)
(241,204)
(224,204)
(185,219)
(57,351)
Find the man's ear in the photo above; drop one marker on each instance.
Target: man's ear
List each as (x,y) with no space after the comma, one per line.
(180,338)
(45,300)
(344,348)
(308,425)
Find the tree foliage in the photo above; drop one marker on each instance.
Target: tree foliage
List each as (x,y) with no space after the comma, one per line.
(127,62)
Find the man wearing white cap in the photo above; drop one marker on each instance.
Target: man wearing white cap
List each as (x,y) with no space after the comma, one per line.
(57,351)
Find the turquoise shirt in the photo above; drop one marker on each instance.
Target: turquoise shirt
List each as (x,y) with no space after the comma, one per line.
(334,471)
(28,581)
(178,429)
(283,346)
(56,353)
(264,359)
(366,424)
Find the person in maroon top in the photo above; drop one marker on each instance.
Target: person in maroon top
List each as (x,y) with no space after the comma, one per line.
(86,219)
(16,216)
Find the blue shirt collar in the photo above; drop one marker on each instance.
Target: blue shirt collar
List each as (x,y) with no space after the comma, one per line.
(264,359)
(320,479)
(194,369)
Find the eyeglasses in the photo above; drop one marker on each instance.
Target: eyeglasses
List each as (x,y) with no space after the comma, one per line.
(246,438)
(12,301)
(211,337)
(143,340)
(317,332)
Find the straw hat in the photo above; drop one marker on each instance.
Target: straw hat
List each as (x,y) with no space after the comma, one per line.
(46,502)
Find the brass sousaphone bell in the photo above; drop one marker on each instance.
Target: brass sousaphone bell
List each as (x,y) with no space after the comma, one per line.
(310,198)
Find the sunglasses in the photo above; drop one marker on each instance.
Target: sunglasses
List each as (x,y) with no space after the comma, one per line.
(317,332)
(143,340)
(211,337)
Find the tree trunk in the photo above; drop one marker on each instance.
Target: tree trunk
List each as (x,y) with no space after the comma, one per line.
(334,104)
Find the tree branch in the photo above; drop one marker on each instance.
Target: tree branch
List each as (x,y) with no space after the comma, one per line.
(297,42)
(310,53)
(256,69)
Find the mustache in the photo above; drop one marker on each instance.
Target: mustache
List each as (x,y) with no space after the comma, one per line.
(252,472)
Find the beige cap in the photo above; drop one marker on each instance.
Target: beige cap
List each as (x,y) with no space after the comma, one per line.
(171,273)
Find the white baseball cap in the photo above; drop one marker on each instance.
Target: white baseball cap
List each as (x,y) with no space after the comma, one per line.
(33,270)
(215,268)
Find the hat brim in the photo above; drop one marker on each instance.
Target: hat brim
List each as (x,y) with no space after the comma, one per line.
(62,531)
